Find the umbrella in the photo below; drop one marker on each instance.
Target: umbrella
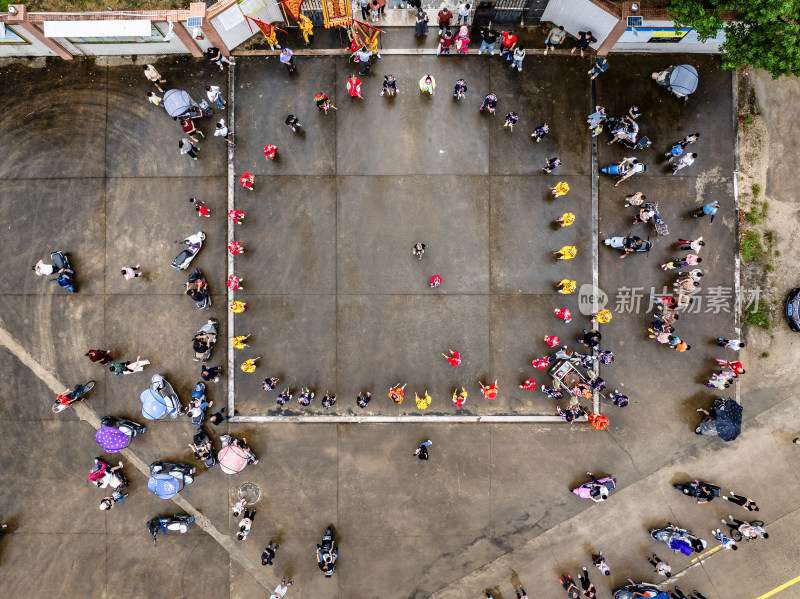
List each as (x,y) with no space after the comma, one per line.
(232,459)
(682,79)
(176,102)
(153,405)
(111,439)
(164,485)
(729,420)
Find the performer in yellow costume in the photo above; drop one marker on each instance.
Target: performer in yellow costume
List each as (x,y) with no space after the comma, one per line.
(306,28)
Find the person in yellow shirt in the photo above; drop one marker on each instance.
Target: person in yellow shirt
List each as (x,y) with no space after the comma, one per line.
(239,342)
(561,189)
(566,219)
(306,28)
(272,38)
(603,316)
(238,307)
(396,393)
(423,402)
(566,286)
(568,252)
(249,366)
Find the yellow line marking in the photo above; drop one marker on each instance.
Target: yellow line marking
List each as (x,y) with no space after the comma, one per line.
(707,553)
(777,590)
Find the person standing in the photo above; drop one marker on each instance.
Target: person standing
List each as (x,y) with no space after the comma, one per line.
(131,272)
(223,132)
(245,524)
(389,85)
(422,451)
(662,567)
(215,96)
(427,85)
(511,120)
(489,38)
(354,87)
(100,355)
(569,586)
(199,207)
(216,56)
(444,44)
(364,55)
(507,44)
(287,58)
(734,344)
(364,9)
(269,554)
(600,66)
(710,208)
(187,125)
(460,90)
(186,147)
(462,41)
(687,160)
(444,17)
(281,589)
(210,374)
(691,245)
(517,57)
(421,26)
(153,75)
(554,38)
(306,29)
(463,13)
(584,39)
(154,99)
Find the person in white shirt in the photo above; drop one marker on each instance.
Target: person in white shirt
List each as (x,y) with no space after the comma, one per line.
(280,590)
(215,96)
(223,131)
(463,13)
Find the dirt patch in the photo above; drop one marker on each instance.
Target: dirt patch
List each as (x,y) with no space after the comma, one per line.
(97,5)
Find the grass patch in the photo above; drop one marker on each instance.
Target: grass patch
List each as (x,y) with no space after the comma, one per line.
(751,246)
(758,315)
(758,212)
(765,354)
(770,236)
(777,253)
(770,268)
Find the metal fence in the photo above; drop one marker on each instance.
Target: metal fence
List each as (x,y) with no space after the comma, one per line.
(507,11)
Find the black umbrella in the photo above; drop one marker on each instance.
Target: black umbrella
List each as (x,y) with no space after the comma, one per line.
(729,420)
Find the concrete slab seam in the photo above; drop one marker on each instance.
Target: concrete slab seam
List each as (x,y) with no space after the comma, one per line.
(403,419)
(595,240)
(231,182)
(737,263)
(87,414)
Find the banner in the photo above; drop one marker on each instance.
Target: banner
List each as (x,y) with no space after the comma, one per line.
(265,28)
(336,13)
(292,8)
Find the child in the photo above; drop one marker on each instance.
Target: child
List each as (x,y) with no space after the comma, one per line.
(270,151)
(427,85)
(489,391)
(460,90)
(249,366)
(528,385)
(436,280)
(566,219)
(444,44)
(270,383)
(354,87)
(284,397)
(239,342)
(236,216)
(418,250)
(540,132)
(568,252)
(306,397)
(235,247)
(200,207)
(561,189)
(130,273)
(511,120)
(552,393)
(396,393)
(635,199)
(552,340)
(389,85)
(489,102)
(459,398)
(237,307)
(619,399)
(564,314)
(362,401)
(328,401)
(454,358)
(552,164)
(423,402)
(293,122)
(247,181)
(234,283)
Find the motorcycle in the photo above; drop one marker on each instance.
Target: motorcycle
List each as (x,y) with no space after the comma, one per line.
(629,244)
(235,455)
(168,478)
(615,125)
(699,490)
(115,433)
(102,476)
(678,539)
(196,413)
(204,340)
(327,554)
(205,451)
(198,290)
(178,522)
(160,399)
(76,395)
(66,276)
(194,243)
(597,490)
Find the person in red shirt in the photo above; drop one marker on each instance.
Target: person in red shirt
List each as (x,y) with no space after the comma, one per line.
(445,16)
(236,216)
(188,128)
(270,151)
(454,358)
(247,181)
(235,247)
(528,385)
(489,391)
(552,341)
(508,44)
(564,314)
(234,283)
(354,86)
(459,398)
(436,280)
(100,355)
(200,208)
(396,393)
(540,363)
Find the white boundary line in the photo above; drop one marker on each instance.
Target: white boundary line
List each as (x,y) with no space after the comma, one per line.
(404,419)
(231,224)
(595,240)
(737,290)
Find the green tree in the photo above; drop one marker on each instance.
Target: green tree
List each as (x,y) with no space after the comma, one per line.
(764,34)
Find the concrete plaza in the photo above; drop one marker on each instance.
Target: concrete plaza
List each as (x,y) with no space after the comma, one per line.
(336,301)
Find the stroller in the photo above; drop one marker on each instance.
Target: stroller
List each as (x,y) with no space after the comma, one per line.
(180,105)
(660,226)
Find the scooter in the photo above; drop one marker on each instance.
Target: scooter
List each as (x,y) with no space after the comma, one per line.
(194,243)
(129,427)
(594,489)
(695,489)
(175,470)
(177,522)
(66,276)
(671,533)
(76,395)
(199,292)
(204,340)
(614,125)
(327,554)
(209,456)
(631,243)
(198,397)
(102,476)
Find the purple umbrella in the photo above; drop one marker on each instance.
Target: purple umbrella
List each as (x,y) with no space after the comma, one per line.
(112,439)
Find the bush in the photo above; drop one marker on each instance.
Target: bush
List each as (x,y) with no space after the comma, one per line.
(751,246)
(758,315)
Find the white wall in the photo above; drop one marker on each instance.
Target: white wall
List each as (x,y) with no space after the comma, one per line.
(580,15)
(35,48)
(174,46)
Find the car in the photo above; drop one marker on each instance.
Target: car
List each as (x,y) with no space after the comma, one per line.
(793,309)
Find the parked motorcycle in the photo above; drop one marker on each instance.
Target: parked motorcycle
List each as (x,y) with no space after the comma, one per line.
(194,243)
(115,433)
(597,490)
(615,125)
(160,399)
(703,492)
(198,290)
(204,340)
(205,448)
(66,276)
(168,478)
(103,476)
(63,401)
(177,522)
(327,554)
(629,244)
(678,539)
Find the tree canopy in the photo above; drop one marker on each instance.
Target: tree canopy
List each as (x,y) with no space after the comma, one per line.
(764,33)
